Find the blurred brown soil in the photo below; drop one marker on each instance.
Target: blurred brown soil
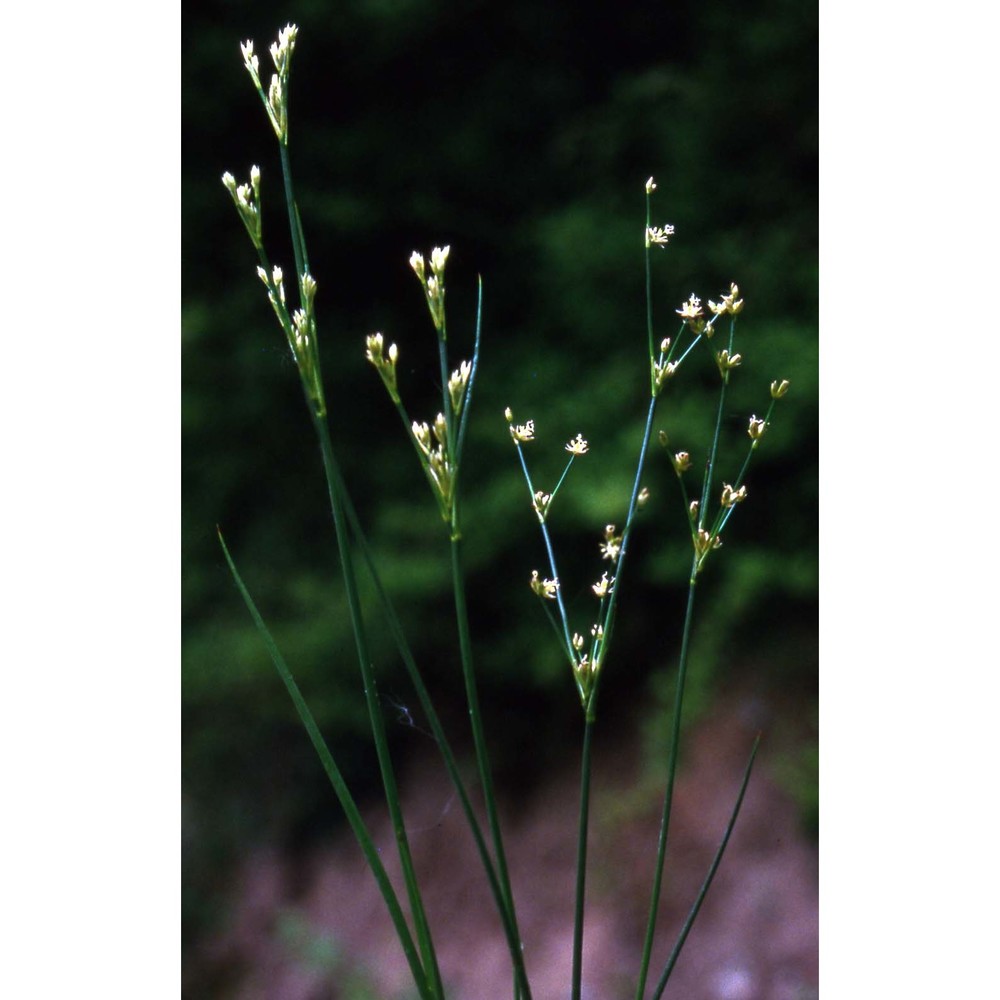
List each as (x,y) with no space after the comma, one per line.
(756,937)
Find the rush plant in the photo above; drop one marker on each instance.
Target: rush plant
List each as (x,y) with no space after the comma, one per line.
(706,508)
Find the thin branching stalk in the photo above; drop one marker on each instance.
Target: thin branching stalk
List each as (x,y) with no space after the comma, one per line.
(713,868)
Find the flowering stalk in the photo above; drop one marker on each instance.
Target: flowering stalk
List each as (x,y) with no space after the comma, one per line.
(300,328)
(439,449)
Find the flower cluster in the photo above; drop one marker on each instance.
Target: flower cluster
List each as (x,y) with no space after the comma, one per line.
(385,364)
(276,99)
(248,207)
(433,283)
(658,235)
(544,588)
(611,547)
(729,303)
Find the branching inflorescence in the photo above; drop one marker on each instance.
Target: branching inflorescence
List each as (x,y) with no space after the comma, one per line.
(438,444)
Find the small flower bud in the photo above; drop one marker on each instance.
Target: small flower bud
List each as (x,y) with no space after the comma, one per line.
(756,428)
(578,641)
(422,435)
(665,345)
(417,263)
(725,362)
(541,503)
(441,428)
(643,498)
(663,439)
(439,257)
(508,414)
(456,386)
(650,186)
(681,462)
(731,497)
(778,389)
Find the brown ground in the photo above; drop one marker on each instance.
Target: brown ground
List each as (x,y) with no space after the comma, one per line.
(317,928)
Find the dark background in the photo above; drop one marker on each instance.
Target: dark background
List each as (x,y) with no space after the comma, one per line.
(521,134)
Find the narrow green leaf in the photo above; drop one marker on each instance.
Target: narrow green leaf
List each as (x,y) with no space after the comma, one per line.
(337,781)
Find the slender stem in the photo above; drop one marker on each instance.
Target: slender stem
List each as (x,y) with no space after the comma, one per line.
(479,737)
(343,543)
(510,930)
(710,464)
(551,554)
(581,854)
(294,222)
(339,786)
(375,711)
(609,614)
(649,279)
(713,868)
(661,848)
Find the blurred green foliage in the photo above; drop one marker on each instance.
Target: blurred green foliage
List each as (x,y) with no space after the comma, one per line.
(521,134)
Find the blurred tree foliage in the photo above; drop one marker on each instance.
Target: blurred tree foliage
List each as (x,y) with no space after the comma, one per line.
(521,134)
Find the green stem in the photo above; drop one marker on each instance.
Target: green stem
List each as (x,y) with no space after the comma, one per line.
(682,937)
(375,712)
(609,615)
(510,929)
(661,848)
(649,278)
(479,739)
(294,222)
(710,464)
(581,852)
(339,786)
